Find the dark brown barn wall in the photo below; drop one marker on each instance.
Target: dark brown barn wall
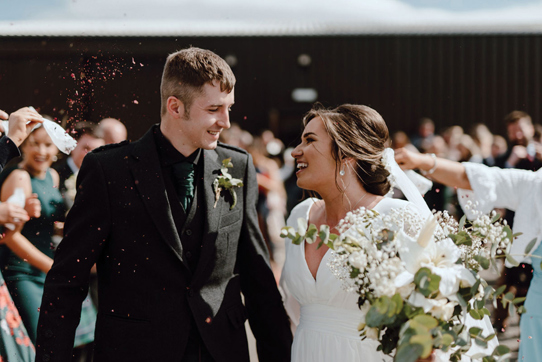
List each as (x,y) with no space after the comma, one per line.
(454,79)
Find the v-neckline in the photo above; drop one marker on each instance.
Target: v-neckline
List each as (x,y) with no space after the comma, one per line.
(315,277)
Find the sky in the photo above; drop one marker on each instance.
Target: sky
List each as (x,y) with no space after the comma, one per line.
(162,17)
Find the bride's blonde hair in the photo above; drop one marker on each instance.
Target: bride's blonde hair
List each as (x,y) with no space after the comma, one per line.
(360,133)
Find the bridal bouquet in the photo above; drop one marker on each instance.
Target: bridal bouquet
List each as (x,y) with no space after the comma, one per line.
(417,281)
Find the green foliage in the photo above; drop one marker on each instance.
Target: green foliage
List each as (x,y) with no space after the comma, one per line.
(427,282)
(225,181)
(461,238)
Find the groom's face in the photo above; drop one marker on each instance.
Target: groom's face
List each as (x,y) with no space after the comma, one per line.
(209,115)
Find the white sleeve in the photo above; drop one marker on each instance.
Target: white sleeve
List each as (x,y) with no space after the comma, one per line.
(494,187)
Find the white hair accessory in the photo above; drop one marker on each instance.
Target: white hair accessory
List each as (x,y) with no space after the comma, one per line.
(403,182)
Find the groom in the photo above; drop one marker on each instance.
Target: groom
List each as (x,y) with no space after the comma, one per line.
(173,254)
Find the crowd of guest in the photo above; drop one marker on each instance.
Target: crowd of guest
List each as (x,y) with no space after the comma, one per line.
(27,248)
(26,251)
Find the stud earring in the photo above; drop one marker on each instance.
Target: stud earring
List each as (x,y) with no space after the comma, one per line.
(342,172)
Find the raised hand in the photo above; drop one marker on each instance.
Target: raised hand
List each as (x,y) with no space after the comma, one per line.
(33,206)
(409,160)
(21,123)
(12,214)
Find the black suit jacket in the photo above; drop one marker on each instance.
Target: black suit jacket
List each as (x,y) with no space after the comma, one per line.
(8,150)
(121,220)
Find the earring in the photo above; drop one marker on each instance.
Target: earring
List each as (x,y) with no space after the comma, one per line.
(55,158)
(342,172)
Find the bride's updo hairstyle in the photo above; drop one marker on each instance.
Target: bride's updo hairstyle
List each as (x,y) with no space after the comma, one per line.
(360,133)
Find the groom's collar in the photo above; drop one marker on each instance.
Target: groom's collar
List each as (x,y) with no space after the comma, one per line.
(168,154)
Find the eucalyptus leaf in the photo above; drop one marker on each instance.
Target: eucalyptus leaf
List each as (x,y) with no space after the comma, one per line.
(483,261)
(511,260)
(500,290)
(409,352)
(426,320)
(530,246)
(518,300)
(500,350)
(425,341)
(475,315)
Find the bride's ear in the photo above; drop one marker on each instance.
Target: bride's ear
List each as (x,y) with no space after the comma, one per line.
(348,161)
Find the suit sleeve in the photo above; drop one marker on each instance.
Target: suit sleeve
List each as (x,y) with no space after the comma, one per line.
(266,314)
(66,286)
(8,150)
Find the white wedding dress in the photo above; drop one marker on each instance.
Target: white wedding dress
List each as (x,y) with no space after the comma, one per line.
(326,316)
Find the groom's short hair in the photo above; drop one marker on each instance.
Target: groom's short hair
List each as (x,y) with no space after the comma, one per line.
(188,70)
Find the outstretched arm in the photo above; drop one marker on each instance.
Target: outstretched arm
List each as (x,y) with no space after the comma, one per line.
(446,172)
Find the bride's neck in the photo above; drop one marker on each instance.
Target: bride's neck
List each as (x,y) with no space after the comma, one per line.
(337,204)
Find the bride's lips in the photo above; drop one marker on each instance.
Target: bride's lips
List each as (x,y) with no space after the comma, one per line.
(301,166)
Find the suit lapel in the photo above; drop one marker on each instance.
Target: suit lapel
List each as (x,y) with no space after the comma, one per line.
(147,172)
(211,164)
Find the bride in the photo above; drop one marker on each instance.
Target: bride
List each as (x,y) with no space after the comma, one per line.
(339,158)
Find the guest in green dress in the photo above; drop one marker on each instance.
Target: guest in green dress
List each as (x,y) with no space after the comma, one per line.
(14,342)
(25,274)
(25,266)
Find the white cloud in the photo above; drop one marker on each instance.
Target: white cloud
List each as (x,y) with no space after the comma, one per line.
(163,17)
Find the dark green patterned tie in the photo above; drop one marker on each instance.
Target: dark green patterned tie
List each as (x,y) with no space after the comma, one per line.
(183,173)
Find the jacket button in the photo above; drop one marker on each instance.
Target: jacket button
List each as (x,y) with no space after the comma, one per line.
(188,254)
(208,320)
(188,232)
(46,358)
(48,333)
(190,293)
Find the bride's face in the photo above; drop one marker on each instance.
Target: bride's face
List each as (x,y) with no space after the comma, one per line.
(315,164)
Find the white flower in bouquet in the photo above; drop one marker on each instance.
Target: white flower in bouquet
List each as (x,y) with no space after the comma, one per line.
(416,280)
(439,257)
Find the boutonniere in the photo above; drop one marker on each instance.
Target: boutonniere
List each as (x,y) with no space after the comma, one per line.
(226,182)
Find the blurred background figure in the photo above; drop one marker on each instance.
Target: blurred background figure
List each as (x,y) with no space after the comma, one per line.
(87,140)
(498,148)
(426,130)
(271,201)
(452,136)
(400,139)
(521,151)
(483,138)
(111,130)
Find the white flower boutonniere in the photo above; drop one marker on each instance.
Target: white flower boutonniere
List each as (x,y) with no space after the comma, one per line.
(226,182)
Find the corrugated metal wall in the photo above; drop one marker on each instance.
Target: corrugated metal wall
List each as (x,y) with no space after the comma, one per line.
(453,79)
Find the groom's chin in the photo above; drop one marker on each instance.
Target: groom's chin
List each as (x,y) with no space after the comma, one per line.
(210,146)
